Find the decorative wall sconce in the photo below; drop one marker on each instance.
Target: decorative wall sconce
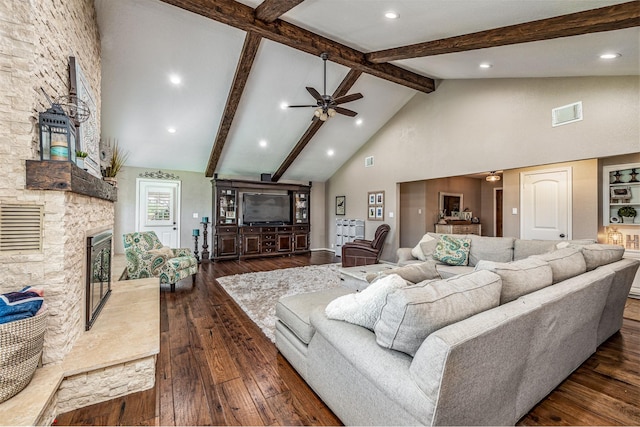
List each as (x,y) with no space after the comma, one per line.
(57,135)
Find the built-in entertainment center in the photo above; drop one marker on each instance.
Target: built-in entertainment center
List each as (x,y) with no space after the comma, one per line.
(256,219)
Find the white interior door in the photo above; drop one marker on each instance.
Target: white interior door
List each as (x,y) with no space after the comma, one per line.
(158,209)
(545,204)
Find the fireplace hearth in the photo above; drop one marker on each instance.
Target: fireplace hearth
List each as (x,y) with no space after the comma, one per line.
(98,274)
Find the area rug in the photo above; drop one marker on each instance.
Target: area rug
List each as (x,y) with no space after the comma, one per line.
(258,293)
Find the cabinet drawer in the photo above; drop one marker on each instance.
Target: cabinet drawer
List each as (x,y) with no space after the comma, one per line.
(250,230)
(268,237)
(303,228)
(284,229)
(268,229)
(268,250)
(226,230)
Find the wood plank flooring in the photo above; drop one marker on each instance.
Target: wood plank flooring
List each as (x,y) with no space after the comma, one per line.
(215,367)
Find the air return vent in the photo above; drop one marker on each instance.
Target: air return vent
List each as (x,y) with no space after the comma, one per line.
(368,162)
(20,228)
(566,114)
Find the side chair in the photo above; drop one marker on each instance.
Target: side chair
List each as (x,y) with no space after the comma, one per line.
(147,257)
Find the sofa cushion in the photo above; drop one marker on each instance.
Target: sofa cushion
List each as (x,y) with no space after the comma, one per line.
(565,263)
(525,248)
(410,314)
(452,250)
(446,271)
(498,249)
(363,308)
(519,277)
(293,310)
(596,255)
(413,273)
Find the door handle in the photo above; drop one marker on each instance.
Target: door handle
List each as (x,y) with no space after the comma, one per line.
(562,235)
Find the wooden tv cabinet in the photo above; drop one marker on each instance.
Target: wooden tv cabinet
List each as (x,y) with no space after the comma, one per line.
(233,240)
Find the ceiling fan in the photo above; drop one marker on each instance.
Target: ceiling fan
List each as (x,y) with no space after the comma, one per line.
(326,105)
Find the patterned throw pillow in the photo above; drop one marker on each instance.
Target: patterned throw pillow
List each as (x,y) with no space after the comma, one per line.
(452,250)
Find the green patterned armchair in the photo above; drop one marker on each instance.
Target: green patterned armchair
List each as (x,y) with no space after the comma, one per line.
(146,257)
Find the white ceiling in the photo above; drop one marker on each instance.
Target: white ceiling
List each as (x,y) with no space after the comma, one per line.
(145,41)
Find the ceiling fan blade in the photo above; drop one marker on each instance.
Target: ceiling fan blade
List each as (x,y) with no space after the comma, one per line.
(298,106)
(314,93)
(347,98)
(346,112)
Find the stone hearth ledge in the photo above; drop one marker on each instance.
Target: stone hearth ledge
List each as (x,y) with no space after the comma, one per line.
(125,339)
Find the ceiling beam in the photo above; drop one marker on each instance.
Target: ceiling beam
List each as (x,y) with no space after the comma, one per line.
(249,50)
(270,10)
(609,18)
(316,123)
(238,15)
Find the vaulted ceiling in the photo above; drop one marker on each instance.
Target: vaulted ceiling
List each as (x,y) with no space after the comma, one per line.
(240,62)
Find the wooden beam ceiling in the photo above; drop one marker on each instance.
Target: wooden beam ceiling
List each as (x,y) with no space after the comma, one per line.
(609,18)
(315,126)
(270,10)
(243,17)
(249,50)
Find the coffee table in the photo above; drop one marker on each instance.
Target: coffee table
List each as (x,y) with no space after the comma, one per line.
(355,277)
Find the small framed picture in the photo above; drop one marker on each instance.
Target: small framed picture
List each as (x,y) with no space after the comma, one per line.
(380,213)
(372,198)
(340,205)
(372,212)
(380,198)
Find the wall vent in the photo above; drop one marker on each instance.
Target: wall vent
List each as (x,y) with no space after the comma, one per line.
(20,228)
(368,162)
(566,114)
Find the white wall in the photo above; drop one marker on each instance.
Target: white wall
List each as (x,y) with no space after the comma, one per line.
(469,126)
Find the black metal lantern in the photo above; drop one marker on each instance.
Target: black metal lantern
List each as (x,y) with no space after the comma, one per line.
(57,135)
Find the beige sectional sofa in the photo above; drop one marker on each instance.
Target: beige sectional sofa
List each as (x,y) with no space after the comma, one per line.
(548,312)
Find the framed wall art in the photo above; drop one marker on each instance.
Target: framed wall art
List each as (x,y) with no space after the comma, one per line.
(341,205)
(376,205)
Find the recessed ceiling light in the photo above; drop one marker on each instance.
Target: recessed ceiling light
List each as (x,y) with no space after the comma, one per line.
(330,152)
(391,15)
(284,105)
(610,56)
(359,122)
(171,130)
(485,65)
(175,79)
(263,143)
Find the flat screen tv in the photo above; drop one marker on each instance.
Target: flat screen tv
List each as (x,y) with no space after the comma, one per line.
(266,209)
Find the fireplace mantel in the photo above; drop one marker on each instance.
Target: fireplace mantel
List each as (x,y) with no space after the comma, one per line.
(66,176)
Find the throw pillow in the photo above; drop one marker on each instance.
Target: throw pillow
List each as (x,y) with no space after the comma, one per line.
(519,277)
(363,308)
(413,273)
(596,255)
(452,250)
(412,313)
(565,263)
(164,251)
(417,251)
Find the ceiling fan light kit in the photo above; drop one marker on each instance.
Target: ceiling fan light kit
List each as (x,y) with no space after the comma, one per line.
(326,105)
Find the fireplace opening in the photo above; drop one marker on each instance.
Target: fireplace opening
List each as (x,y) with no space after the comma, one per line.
(98,274)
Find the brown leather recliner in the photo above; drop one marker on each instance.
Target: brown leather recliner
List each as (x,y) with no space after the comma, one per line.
(365,252)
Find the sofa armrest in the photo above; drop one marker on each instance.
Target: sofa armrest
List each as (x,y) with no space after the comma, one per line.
(404,254)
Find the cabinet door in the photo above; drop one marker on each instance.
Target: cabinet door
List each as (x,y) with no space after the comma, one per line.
(301,242)
(284,242)
(250,244)
(226,245)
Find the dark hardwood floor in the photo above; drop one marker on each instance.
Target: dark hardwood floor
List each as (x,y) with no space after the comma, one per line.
(215,367)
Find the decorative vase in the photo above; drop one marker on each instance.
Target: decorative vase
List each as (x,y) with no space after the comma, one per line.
(111,180)
(80,162)
(627,219)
